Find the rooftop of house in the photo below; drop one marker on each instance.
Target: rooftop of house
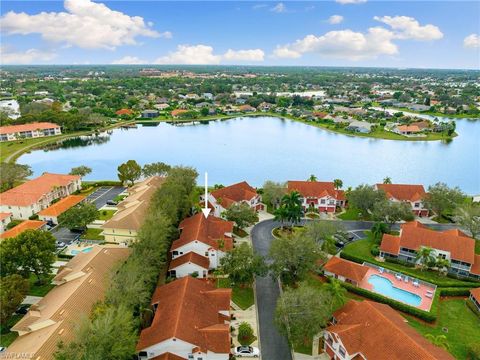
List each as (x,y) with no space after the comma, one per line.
(32,191)
(189,309)
(211,231)
(409,128)
(414,235)
(229,195)
(124,112)
(62,205)
(80,284)
(378,332)
(405,192)
(12,129)
(315,189)
(23,226)
(4,215)
(190,257)
(345,268)
(476,294)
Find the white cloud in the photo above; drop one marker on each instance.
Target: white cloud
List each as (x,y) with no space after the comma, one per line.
(472,41)
(85,24)
(31,56)
(406,27)
(259,6)
(204,55)
(335,19)
(166,35)
(244,55)
(279,8)
(344,2)
(129,60)
(344,44)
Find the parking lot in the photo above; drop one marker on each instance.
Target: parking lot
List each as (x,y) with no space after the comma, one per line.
(100,196)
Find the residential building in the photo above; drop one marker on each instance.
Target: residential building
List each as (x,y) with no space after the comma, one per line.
(149,114)
(79,285)
(475,297)
(221,199)
(372,331)
(52,213)
(412,194)
(34,195)
(318,196)
(5,219)
(407,130)
(201,245)
(360,126)
(124,225)
(246,108)
(344,270)
(178,112)
(191,321)
(452,245)
(26,131)
(23,226)
(124,112)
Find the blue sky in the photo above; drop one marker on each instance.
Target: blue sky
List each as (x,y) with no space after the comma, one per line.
(425,34)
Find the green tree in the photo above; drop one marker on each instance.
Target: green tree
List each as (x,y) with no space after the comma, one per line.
(241,214)
(378,229)
(468,217)
(12,292)
(426,257)
(273,193)
(312,178)
(245,333)
(33,251)
(241,264)
(337,292)
(155,169)
(111,335)
(129,172)
(293,256)
(79,216)
(302,313)
(337,183)
(81,170)
(204,111)
(387,180)
(13,173)
(442,199)
(390,212)
(292,205)
(322,229)
(364,197)
(438,340)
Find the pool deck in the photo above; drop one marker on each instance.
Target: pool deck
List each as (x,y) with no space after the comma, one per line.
(421,290)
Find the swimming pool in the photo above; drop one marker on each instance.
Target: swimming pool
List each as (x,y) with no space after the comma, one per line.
(86,250)
(385,287)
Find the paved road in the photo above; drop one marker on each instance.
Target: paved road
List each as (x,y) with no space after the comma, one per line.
(100,196)
(272,344)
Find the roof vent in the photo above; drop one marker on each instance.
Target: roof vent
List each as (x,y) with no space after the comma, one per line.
(61,331)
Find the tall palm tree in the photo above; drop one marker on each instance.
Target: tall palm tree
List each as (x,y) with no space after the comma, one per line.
(292,202)
(387,180)
(338,293)
(442,264)
(337,183)
(438,340)
(426,256)
(281,215)
(312,178)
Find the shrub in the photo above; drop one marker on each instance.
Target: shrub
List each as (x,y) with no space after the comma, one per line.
(374,250)
(473,351)
(194,274)
(454,291)
(33,217)
(245,334)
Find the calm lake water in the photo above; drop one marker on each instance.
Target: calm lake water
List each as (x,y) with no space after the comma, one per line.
(260,148)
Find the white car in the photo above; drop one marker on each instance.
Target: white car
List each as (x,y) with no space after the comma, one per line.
(246,351)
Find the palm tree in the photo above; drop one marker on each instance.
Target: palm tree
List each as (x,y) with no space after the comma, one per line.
(312,178)
(338,293)
(281,215)
(337,183)
(387,180)
(292,203)
(426,256)
(438,340)
(378,229)
(442,264)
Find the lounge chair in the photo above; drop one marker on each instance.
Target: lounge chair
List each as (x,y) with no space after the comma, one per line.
(416,284)
(381,270)
(398,277)
(429,295)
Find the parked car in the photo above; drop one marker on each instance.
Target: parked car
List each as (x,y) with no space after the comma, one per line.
(111,202)
(22,309)
(61,244)
(79,230)
(246,351)
(2,349)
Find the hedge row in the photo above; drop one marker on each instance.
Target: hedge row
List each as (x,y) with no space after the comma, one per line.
(102,183)
(424,315)
(472,307)
(454,291)
(448,282)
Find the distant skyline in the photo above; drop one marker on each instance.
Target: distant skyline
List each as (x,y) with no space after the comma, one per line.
(356,33)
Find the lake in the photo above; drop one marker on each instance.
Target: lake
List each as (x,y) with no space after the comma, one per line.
(260,148)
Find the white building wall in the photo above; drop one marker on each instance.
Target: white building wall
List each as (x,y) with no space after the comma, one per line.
(188,269)
(182,349)
(193,246)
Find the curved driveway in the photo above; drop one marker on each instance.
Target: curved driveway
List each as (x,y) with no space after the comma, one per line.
(273,345)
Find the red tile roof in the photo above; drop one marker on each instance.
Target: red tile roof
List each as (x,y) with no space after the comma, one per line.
(378,332)
(191,257)
(32,191)
(229,195)
(188,309)
(345,268)
(61,206)
(23,226)
(177,112)
(414,235)
(476,293)
(475,269)
(13,129)
(124,112)
(207,230)
(167,356)
(5,215)
(403,192)
(409,128)
(315,189)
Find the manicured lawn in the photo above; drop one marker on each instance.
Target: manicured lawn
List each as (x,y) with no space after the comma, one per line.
(93,234)
(40,289)
(242,296)
(361,249)
(7,336)
(351,214)
(462,324)
(105,214)
(287,230)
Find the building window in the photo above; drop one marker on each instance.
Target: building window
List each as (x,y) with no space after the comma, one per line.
(206,253)
(175,253)
(322,201)
(417,205)
(342,351)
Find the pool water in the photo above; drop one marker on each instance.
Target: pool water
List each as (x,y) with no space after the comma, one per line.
(385,287)
(86,250)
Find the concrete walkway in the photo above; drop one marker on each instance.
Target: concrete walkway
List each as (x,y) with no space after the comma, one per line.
(30,300)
